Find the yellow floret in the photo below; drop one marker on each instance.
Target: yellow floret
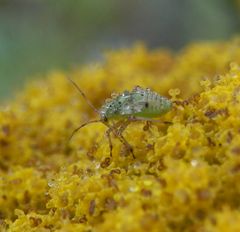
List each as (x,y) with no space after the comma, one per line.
(185,176)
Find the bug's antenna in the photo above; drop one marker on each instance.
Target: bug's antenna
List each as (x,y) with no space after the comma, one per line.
(83,125)
(83,95)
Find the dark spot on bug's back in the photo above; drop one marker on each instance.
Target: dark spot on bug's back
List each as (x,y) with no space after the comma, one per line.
(146,104)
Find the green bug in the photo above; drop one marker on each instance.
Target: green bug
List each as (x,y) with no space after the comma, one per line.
(122,109)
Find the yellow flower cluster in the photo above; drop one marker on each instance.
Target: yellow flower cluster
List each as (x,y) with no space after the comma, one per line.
(185,176)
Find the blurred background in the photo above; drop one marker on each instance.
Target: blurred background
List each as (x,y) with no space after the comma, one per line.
(37,36)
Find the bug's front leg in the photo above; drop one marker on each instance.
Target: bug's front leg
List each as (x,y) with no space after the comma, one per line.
(120,130)
(126,144)
(117,129)
(123,126)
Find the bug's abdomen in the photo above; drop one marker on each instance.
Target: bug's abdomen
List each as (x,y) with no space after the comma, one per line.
(153,105)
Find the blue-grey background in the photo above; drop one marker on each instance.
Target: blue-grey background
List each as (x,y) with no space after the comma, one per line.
(37,36)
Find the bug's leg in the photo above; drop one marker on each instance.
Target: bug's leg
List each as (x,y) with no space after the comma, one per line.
(149,119)
(117,130)
(126,144)
(108,133)
(122,126)
(124,141)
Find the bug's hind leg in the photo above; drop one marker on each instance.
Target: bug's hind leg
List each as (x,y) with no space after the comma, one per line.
(149,120)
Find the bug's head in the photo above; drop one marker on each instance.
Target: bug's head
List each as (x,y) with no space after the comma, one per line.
(104,118)
(103,114)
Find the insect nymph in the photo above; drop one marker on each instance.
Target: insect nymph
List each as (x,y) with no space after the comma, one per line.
(122,109)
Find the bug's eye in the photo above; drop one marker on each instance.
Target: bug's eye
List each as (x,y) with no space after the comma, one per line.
(105,119)
(146,104)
